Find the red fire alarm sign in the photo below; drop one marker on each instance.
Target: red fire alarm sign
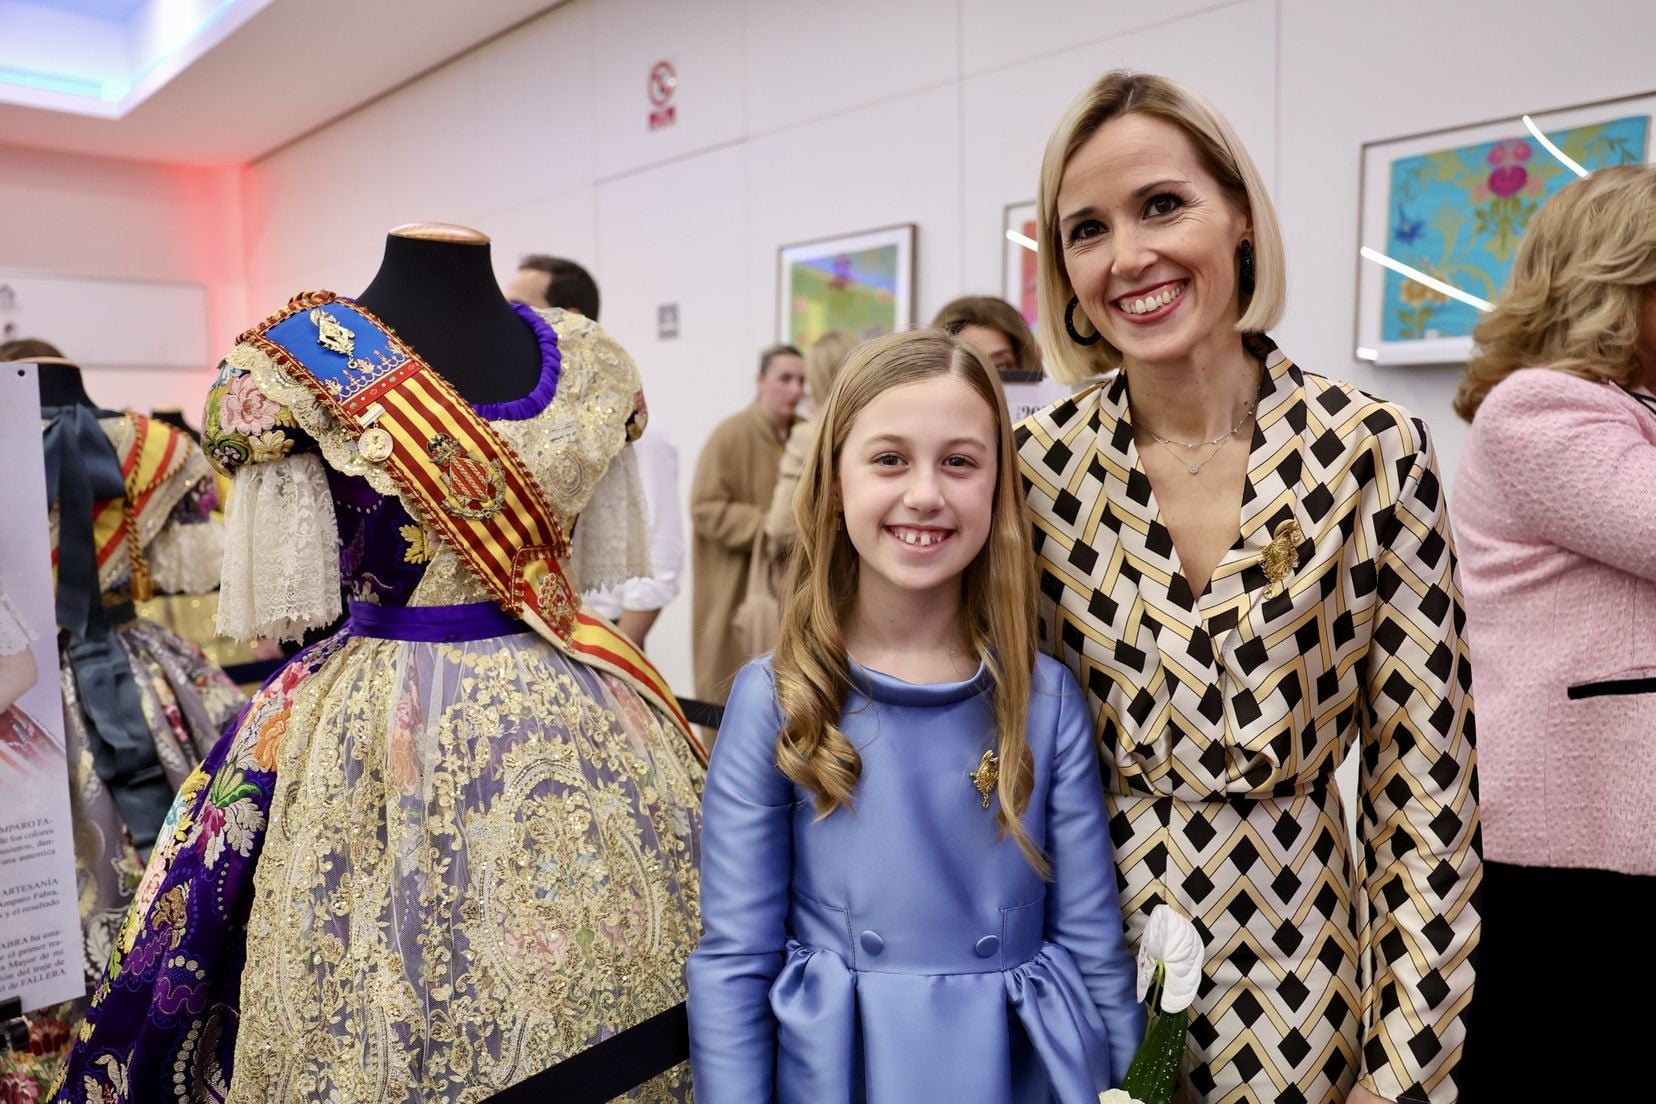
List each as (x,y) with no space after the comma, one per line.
(663,81)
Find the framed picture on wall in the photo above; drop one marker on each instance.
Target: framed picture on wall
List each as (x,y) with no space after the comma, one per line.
(1453,204)
(1018,263)
(861,284)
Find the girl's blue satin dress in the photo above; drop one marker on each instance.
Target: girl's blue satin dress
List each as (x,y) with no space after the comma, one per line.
(901,952)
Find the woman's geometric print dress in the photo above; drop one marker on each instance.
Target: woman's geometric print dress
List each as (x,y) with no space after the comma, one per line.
(1335,620)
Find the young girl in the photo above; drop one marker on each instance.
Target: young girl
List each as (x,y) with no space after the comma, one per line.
(908,891)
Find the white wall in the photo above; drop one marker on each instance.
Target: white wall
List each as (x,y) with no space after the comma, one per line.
(68,215)
(799,119)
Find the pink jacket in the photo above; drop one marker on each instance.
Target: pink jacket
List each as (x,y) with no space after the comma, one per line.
(1555,516)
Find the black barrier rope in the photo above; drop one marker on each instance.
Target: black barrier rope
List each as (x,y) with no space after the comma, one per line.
(608,1069)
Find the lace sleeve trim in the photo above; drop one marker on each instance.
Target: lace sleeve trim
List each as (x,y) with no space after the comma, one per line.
(186,559)
(612,543)
(281,551)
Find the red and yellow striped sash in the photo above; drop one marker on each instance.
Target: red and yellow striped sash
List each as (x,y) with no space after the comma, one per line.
(470,486)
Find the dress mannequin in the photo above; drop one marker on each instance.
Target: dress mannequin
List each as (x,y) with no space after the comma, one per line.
(59,379)
(435,287)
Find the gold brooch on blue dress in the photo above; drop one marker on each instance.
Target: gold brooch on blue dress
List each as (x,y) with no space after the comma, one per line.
(986,777)
(1281,556)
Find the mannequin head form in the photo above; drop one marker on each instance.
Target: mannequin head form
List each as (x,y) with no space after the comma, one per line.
(59,378)
(436,288)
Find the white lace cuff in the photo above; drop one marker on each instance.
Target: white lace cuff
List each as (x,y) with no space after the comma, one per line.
(281,551)
(612,538)
(186,559)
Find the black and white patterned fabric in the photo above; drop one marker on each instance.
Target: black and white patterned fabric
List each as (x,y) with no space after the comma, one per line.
(1222,716)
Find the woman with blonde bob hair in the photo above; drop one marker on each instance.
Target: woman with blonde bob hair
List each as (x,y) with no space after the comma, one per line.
(1555,504)
(907,887)
(1249,568)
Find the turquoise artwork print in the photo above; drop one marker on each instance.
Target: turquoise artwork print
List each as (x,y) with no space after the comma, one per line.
(1458,214)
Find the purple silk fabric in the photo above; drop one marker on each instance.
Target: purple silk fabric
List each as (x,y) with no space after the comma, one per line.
(433,624)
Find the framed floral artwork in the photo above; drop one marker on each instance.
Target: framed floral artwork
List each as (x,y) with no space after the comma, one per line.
(1453,204)
(861,284)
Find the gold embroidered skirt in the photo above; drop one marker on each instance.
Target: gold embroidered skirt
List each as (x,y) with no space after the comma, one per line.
(480,860)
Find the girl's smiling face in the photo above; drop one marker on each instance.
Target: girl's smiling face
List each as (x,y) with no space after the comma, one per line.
(917,485)
(1150,241)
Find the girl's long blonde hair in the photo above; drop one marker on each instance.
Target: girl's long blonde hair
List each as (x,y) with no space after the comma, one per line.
(813,671)
(1587,261)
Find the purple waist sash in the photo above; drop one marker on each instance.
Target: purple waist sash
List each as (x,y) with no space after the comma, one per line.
(433,624)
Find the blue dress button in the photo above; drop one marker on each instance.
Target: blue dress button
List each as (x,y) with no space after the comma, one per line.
(871,942)
(988,946)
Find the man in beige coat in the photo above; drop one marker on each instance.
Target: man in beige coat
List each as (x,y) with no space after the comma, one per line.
(735,478)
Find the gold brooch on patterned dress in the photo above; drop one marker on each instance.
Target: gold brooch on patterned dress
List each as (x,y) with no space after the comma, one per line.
(1281,556)
(986,777)
(477,487)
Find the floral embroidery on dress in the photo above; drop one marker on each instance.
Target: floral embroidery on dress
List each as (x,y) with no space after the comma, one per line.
(241,422)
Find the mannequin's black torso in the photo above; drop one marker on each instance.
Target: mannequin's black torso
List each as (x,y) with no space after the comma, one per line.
(61,385)
(441,298)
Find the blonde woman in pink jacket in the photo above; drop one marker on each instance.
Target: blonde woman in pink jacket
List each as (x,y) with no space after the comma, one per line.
(1555,513)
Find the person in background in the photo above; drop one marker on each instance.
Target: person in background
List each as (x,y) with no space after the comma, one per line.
(996,329)
(545,281)
(823,361)
(735,479)
(1553,508)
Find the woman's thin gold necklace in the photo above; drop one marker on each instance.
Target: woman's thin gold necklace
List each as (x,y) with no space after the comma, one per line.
(1217,443)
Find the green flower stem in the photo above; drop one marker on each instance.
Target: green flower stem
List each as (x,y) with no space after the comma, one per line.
(1154,1074)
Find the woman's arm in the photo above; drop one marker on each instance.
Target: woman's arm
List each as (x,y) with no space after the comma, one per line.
(1573,461)
(1083,906)
(716,513)
(1420,860)
(746,868)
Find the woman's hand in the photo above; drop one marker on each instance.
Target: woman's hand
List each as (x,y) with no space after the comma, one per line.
(1360,1095)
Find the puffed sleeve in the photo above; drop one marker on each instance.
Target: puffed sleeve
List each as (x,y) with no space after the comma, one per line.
(1420,862)
(281,542)
(185,555)
(1083,905)
(746,868)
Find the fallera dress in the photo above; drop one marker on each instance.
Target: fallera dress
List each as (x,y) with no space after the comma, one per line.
(901,951)
(141,705)
(435,855)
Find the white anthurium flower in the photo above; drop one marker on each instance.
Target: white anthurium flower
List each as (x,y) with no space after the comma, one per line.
(1171,942)
(1117,1096)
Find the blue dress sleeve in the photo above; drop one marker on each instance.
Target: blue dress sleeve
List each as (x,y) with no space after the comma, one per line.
(1083,906)
(746,867)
